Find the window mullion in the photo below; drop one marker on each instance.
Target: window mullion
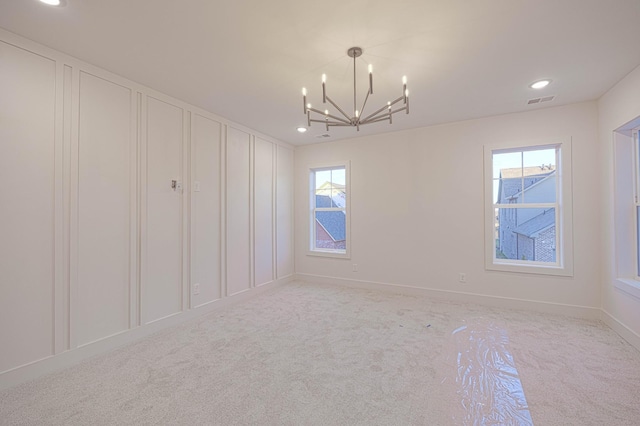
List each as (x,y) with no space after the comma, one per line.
(330,209)
(527,206)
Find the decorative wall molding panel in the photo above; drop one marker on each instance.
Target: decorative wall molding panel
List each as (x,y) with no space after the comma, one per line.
(30,225)
(126,211)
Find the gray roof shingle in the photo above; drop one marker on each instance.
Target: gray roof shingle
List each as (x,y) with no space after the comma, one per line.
(333,222)
(537,224)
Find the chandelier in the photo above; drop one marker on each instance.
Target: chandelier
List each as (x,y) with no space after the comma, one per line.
(356,120)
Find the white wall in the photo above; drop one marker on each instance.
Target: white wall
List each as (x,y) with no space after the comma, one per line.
(417,210)
(96,248)
(617,107)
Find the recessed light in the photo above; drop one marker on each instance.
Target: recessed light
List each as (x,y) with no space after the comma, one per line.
(51,2)
(302,129)
(540,84)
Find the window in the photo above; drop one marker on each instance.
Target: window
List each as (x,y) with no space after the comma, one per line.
(329,214)
(626,207)
(528,203)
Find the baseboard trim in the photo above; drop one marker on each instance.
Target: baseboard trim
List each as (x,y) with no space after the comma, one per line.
(462,297)
(625,332)
(51,364)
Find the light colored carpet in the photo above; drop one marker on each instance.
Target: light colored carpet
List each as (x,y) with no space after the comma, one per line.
(309,354)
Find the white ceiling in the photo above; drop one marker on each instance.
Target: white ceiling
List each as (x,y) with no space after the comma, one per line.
(248,60)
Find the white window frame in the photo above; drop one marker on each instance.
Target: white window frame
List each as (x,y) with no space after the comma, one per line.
(636,200)
(312,250)
(563,210)
(626,144)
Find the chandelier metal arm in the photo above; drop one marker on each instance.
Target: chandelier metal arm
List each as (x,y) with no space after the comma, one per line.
(330,123)
(383,108)
(338,108)
(383,116)
(365,102)
(328,115)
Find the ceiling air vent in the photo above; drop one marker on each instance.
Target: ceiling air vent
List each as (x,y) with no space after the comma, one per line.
(541,100)
(326,135)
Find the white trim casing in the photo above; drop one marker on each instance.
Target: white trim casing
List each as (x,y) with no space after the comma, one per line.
(626,197)
(636,210)
(311,251)
(564,212)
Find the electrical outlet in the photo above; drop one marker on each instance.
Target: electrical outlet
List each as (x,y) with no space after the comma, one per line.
(355,267)
(196,288)
(462,277)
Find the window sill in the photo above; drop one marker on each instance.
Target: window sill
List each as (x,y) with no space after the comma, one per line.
(531,269)
(629,286)
(331,254)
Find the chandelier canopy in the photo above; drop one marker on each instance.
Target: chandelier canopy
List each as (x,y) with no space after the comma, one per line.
(356,120)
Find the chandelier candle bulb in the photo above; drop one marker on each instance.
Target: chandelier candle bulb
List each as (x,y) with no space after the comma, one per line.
(324,89)
(304,99)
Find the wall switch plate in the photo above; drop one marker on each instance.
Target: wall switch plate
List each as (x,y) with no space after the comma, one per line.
(355,267)
(462,277)
(196,186)
(196,288)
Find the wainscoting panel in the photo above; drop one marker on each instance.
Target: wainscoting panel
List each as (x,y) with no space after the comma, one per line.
(284,209)
(105,170)
(238,216)
(27,225)
(263,211)
(96,247)
(162,257)
(206,283)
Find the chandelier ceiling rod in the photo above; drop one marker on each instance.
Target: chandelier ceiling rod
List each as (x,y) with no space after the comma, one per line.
(355,54)
(382,114)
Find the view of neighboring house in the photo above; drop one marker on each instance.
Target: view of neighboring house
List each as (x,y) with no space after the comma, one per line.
(527,233)
(331,225)
(335,191)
